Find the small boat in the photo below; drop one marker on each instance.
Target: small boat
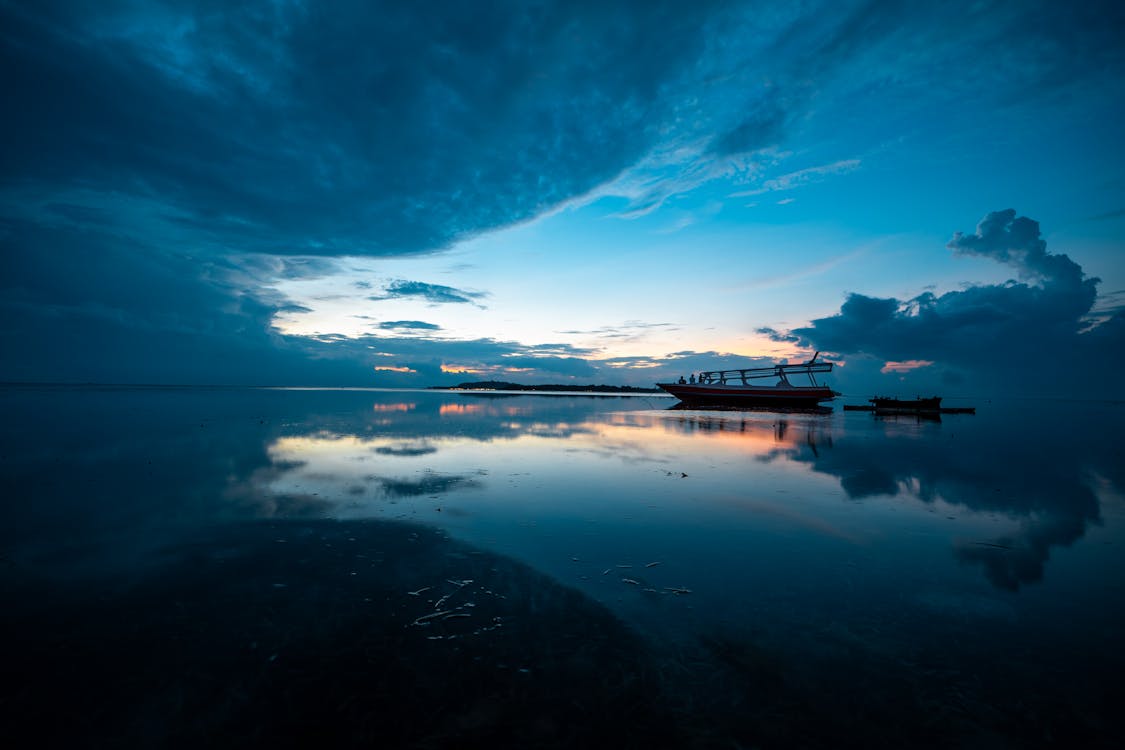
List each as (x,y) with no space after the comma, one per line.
(736,387)
(882,403)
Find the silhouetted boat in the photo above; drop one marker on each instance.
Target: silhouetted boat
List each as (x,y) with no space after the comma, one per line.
(882,403)
(734,387)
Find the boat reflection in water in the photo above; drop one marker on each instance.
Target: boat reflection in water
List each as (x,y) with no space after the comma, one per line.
(269,558)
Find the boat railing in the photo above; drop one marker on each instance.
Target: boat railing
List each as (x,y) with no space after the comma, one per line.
(723,377)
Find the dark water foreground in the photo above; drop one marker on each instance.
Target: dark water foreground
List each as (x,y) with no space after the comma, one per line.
(325,633)
(324,568)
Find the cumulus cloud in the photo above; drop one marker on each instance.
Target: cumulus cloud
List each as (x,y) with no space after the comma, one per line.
(1024,333)
(1017,242)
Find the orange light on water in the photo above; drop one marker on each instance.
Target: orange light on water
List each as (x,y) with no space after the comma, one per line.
(393,407)
(449,409)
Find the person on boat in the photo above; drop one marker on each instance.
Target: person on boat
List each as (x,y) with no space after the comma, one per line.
(692,378)
(682,381)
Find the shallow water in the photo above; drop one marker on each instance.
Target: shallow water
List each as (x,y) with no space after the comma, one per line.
(243,565)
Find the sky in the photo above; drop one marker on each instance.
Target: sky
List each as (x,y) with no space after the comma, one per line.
(407,194)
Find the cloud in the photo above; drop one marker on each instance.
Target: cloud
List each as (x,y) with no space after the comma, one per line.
(412,325)
(369,129)
(434,293)
(632,330)
(762,127)
(1016,241)
(778,336)
(801,177)
(172,161)
(1108,215)
(1023,336)
(569,366)
(908,366)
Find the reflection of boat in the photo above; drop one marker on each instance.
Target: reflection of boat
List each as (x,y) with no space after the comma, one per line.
(767,408)
(735,387)
(909,415)
(919,406)
(932,403)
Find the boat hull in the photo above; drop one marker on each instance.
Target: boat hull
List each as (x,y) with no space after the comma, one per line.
(740,395)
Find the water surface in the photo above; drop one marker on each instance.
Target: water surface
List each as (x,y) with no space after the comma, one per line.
(435,568)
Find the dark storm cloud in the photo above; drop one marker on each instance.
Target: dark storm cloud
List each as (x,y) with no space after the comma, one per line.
(365,128)
(84,306)
(1026,333)
(269,268)
(435,293)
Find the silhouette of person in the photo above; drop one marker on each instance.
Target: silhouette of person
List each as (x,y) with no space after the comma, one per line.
(682,379)
(693,377)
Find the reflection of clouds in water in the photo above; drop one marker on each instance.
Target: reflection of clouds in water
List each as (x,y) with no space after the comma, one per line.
(547,429)
(426,449)
(625,451)
(406,449)
(1011,561)
(325,474)
(431,483)
(393,407)
(795,516)
(968,606)
(960,464)
(254,496)
(485,409)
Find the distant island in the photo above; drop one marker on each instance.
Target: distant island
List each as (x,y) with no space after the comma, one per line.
(499,385)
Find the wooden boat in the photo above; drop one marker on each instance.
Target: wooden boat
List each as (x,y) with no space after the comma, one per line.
(737,387)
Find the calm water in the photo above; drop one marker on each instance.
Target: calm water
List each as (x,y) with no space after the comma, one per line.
(397,568)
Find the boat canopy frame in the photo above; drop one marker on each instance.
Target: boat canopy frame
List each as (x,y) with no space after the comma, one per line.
(727,377)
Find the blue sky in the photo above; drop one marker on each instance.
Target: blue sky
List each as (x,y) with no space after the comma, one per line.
(396,194)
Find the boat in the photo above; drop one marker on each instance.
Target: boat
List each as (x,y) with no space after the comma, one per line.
(882,403)
(749,387)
